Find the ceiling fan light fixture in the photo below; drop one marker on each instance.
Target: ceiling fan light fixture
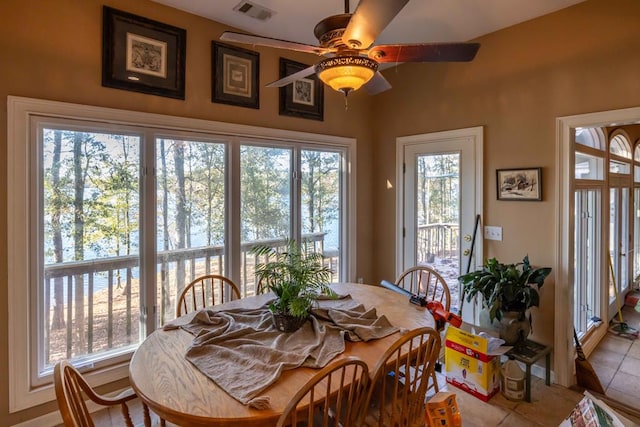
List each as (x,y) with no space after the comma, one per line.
(346,73)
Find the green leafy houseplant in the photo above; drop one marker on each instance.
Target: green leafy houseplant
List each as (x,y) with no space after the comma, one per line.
(295,277)
(505,287)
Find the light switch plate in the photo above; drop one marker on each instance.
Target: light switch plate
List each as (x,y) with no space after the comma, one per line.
(492,232)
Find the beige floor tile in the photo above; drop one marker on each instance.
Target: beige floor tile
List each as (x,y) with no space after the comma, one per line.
(624,397)
(626,383)
(615,343)
(476,413)
(515,420)
(635,350)
(606,358)
(630,365)
(550,405)
(605,373)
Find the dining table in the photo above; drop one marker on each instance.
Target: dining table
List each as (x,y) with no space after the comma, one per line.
(178,392)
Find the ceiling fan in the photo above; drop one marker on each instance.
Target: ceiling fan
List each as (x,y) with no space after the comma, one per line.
(346,43)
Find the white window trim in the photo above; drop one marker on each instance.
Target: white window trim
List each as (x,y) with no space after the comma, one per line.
(563,320)
(19,275)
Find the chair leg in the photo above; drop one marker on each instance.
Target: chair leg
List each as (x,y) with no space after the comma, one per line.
(434,378)
(126,415)
(147,416)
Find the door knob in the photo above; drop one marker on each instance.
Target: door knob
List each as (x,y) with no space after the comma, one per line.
(466,252)
(467,237)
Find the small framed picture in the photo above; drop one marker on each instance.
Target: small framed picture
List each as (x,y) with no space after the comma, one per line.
(142,55)
(304,97)
(235,73)
(519,184)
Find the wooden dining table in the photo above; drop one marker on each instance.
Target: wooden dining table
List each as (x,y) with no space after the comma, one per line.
(177,391)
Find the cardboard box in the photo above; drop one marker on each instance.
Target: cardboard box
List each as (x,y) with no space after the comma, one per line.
(468,364)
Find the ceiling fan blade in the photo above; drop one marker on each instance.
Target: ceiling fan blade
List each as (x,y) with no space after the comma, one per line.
(293,77)
(368,21)
(231,36)
(377,84)
(429,52)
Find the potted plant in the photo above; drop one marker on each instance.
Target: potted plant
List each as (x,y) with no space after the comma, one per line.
(508,291)
(297,279)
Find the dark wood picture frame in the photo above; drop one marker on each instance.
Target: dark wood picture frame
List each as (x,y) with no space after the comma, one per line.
(304,97)
(523,184)
(235,75)
(142,55)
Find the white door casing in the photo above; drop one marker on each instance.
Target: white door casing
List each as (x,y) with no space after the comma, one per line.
(468,143)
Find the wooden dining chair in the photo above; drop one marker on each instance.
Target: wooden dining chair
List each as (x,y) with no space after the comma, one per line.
(332,397)
(262,287)
(396,396)
(424,280)
(70,385)
(205,291)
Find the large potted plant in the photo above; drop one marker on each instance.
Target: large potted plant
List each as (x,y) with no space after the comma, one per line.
(508,291)
(296,278)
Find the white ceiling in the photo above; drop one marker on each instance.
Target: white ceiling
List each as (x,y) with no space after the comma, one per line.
(421,21)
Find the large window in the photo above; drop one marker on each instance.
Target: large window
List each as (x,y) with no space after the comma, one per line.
(114,212)
(605,234)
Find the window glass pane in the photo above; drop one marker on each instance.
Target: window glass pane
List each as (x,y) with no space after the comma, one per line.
(619,167)
(190,192)
(636,233)
(90,224)
(587,254)
(620,146)
(591,137)
(636,174)
(588,167)
(265,204)
(321,205)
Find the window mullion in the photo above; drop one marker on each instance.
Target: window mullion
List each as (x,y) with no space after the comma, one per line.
(148,246)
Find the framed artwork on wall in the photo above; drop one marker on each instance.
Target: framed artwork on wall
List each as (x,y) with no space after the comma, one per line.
(304,97)
(142,55)
(519,184)
(235,75)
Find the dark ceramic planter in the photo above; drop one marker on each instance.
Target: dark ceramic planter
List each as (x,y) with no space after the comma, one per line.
(287,323)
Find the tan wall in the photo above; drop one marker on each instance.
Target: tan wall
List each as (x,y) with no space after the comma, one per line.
(579,60)
(51,49)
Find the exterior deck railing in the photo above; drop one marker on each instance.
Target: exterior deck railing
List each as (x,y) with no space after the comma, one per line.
(96,324)
(441,240)
(100,306)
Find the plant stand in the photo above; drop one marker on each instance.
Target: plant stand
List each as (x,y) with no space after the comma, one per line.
(529,352)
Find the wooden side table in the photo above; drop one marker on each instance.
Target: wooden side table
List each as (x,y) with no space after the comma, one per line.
(529,352)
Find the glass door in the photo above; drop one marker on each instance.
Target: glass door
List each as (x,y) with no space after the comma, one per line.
(441,200)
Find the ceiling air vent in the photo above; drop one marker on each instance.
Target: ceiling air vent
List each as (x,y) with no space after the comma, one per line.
(253,10)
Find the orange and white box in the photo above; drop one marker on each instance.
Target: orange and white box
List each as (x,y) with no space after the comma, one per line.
(468,364)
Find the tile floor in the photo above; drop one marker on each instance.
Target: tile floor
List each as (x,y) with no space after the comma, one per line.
(548,407)
(616,361)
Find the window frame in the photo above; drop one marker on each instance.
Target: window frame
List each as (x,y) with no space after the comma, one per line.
(24,248)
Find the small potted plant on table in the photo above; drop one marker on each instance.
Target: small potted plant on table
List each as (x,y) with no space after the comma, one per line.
(508,291)
(297,279)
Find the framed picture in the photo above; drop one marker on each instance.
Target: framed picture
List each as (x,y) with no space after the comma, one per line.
(142,55)
(304,97)
(519,184)
(236,74)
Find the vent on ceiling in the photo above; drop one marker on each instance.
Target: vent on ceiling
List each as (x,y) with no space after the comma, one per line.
(253,10)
